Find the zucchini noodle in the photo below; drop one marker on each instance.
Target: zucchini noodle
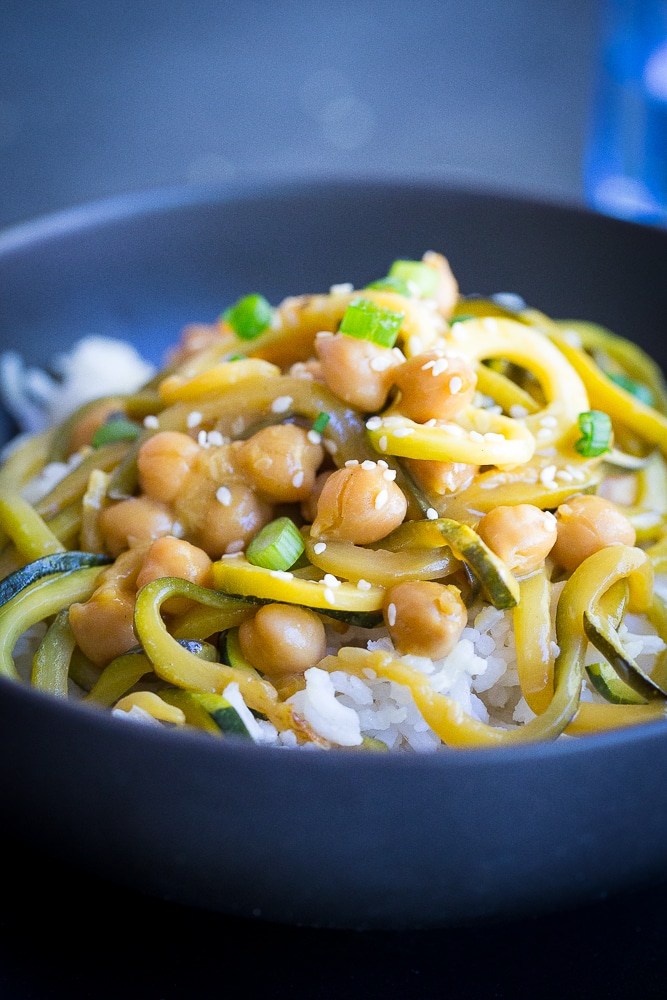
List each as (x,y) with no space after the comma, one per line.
(450,547)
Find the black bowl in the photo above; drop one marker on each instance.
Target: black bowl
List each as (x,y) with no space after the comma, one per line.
(342,839)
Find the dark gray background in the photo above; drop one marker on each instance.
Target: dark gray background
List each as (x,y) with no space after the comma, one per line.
(99,98)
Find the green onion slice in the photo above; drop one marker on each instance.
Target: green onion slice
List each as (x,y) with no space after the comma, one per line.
(116,429)
(321,421)
(367,321)
(636,389)
(277,546)
(249,317)
(595,427)
(392,284)
(417,275)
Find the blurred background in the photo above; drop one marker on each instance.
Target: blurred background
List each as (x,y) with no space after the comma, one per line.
(98,99)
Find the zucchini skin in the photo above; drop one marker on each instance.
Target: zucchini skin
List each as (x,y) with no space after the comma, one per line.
(56,562)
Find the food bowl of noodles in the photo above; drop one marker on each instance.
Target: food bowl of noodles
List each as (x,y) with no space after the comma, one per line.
(334,545)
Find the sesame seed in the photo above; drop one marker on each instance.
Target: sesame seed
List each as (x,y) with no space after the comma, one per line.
(281,574)
(322,334)
(548,421)
(566,476)
(298,478)
(382,464)
(231,555)
(344,288)
(363,585)
(547,476)
(380,363)
(194,419)
(430,423)
(281,404)
(224,495)
(393,421)
(319,548)
(215,438)
(373,423)
(544,433)
(440,366)
(351,461)
(391,614)
(382,443)
(428,364)
(202,439)
(517,412)
(329,580)
(492,436)
(402,432)
(368,465)
(329,595)
(314,437)
(455,384)
(571,337)
(432,514)
(476,436)
(381,499)
(389,475)
(151,422)
(330,446)
(455,430)
(235,547)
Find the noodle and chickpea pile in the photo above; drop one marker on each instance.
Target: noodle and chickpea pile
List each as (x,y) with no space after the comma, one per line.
(341,486)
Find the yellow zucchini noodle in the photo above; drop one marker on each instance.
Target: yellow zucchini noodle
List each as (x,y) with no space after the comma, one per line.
(392,517)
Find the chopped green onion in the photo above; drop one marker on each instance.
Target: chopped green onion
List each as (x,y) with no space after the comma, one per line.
(115,429)
(636,389)
(367,321)
(321,422)
(276,546)
(416,274)
(236,357)
(249,317)
(595,427)
(390,284)
(461,318)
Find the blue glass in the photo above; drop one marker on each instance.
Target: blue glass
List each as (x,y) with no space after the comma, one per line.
(625,167)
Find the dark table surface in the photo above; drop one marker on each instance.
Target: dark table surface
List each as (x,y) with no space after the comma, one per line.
(98,99)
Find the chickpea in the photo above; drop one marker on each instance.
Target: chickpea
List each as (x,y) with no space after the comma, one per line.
(103,625)
(359,503)
(169,556)
(280,462)
(232,516)
(522,536)
(434,385)
(424,618)
(309,506)
(585,525)
(137,519)
(165,461)
(447,292)
(441,477)
(357,371)
(283,639)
